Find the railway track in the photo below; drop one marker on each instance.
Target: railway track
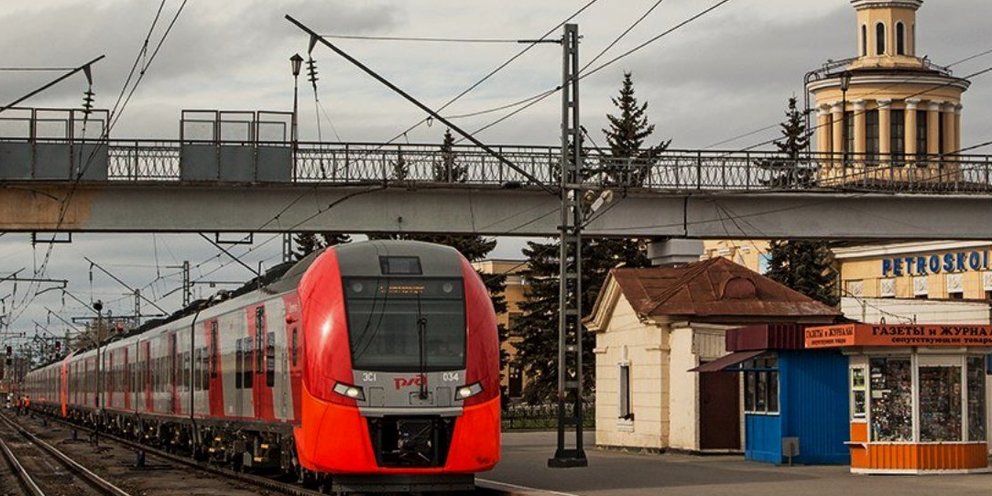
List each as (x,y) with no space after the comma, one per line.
(250,479)
(31,461)
(257,481)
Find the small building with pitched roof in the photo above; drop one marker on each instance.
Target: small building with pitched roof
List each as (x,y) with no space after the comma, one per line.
(654,325)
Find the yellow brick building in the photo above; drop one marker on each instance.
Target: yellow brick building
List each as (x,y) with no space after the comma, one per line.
(513,379)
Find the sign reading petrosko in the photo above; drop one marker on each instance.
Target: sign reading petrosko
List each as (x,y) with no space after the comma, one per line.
(961,261)
(898,335)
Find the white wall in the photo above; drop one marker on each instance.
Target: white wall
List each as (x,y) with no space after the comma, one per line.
(640,345)
(684,398)
(905,310)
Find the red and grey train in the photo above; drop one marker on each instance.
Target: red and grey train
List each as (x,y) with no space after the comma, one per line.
(367,364)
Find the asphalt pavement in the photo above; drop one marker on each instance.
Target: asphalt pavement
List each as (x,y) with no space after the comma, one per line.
(523,470)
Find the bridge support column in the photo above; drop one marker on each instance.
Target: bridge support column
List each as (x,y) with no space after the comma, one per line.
(674,251)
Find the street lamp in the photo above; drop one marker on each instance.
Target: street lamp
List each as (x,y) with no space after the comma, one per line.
(845,84)
(296,62)
(98,306)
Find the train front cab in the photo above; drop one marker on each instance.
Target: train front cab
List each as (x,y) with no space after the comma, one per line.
(400,386)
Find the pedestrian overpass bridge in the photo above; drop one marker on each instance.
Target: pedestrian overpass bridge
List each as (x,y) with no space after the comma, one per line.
(240,173)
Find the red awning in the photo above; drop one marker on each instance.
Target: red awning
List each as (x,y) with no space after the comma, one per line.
(730,360)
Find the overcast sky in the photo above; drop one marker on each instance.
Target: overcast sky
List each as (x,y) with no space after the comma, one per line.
(723,75)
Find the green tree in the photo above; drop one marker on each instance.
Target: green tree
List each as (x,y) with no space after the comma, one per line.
(627,165)
(629,129)
(448,169)
(789,169)
(305,243)
(805,266)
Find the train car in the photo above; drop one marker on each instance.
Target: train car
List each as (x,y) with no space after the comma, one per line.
(367,366)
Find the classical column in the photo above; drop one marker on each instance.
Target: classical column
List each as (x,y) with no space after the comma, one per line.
(859,130)
(838,134)
(950,130)
(957,127)
(824,127)
(910,113)
(933,128)
(885,131)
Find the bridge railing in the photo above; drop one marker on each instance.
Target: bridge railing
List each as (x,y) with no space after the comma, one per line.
(252,161)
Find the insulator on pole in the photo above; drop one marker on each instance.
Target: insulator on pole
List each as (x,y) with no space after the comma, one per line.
(312,71)
(88,101)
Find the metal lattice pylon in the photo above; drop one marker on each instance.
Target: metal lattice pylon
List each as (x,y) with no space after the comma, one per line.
(570,259)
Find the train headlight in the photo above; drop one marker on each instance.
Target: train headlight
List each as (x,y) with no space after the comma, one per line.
(349,391)
(466,392)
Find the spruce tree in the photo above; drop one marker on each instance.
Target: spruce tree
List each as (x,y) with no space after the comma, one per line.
(627,165)
(788,169)
(305,244)
(449,169)
(631,161)
(805,266)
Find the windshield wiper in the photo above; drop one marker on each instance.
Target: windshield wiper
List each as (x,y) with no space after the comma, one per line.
(422,345)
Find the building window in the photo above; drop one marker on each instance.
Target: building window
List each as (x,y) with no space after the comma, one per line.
(921,137)
(891,399)
(955,286)
(848,134)
(920,286)
(761,385)
(897,141)
(887,288)
(940,400)
(859,394)
(864,40)
(625,411)
(976,399)
(880,39)
(871,137)
(900,39)
(941,145)
(855,288)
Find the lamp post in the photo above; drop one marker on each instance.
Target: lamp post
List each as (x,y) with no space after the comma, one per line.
(296,62)
(845,84)
(98,306)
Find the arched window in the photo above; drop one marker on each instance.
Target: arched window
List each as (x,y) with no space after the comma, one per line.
(900,39)
(864,40)
(880,39)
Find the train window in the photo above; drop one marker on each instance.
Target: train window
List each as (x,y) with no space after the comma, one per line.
(187,378)
(295,346)
(259,335)
(214,346)
(238,364)
(400,266)
(204,368)
(385,320)
(270,359)
(248,379)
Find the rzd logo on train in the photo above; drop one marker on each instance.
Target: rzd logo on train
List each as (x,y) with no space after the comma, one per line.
(403,382)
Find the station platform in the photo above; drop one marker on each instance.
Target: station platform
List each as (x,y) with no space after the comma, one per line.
(523,472)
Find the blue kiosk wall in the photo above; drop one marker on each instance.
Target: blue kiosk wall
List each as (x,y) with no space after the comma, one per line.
(813,406)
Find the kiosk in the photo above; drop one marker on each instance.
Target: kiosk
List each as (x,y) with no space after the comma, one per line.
(916,395)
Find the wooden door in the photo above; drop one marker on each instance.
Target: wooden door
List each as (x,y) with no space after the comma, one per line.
(719,411)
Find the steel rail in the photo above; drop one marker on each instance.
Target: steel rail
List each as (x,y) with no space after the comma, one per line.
(254,480)
(22,474)
(88,476)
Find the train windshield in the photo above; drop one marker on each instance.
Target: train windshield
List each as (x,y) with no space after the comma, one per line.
(405,324)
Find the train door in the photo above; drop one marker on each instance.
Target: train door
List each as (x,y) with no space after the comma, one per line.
(110,382)
(215,382)
(126,379)
(146,376)
(244,373)
(293,355)
(258,362)
(172,365)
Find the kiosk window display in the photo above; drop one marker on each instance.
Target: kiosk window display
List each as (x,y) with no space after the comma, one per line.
(917,395)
